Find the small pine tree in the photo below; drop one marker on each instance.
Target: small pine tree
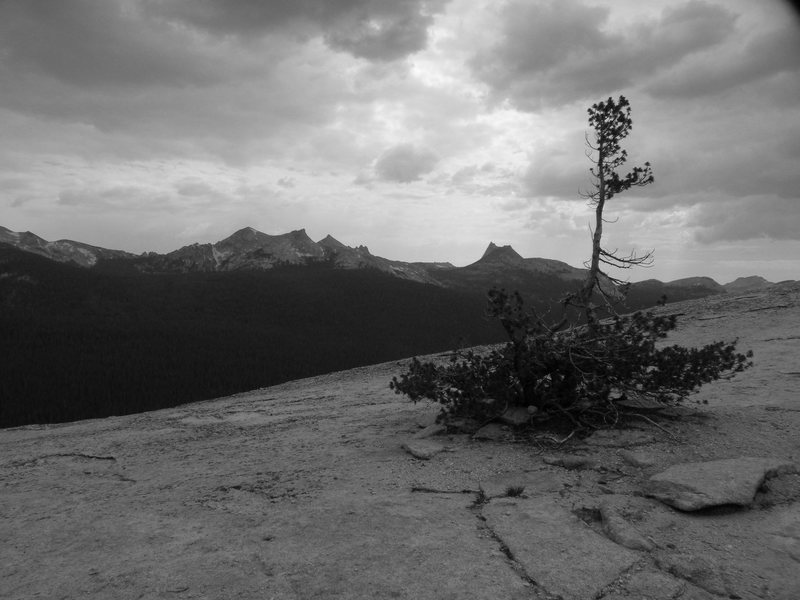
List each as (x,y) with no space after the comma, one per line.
(612,123)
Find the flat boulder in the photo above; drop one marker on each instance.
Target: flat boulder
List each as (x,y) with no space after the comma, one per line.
(492,432)
(422,449)
(694,486)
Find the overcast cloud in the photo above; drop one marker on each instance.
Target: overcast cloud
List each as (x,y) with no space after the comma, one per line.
(421,128)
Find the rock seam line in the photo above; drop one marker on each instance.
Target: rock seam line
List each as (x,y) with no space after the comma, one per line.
(61,455)
(537,590)
(483,527)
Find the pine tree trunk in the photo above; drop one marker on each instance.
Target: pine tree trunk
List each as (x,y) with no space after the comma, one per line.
(593,277)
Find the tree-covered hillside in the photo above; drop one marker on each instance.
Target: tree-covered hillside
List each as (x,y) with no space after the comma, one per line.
(83,343)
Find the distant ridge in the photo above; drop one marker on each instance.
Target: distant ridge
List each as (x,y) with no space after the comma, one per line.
(747,284)
(64,251)
(251,250)
(698,282)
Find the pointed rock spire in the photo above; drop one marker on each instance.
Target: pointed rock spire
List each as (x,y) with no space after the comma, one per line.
(504,254)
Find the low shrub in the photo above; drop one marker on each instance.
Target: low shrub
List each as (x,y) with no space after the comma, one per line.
(580,373)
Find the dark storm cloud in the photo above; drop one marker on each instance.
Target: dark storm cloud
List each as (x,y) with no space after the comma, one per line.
(378,30)
(384,39)
(93,43)
(197,78)
(131,84)
(551,53)
(404,163)
(747,219)
(771,53)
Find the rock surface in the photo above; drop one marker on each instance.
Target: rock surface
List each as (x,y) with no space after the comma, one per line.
(302,491)
(571,462)
(544,538)
(492,431)
(531,483)
(694,486)
(642,460)
(422,448)
(619,529)
(650,585)
(702,571)
(429,431)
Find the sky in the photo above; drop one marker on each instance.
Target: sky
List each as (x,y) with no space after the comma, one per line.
(423,129)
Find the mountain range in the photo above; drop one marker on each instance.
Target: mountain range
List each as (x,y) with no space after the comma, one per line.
(252,250)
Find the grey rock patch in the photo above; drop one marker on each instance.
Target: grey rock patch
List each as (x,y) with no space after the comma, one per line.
(422,449)
(693,486)
(533,483)
(427,420)
(619,438)
(429,431)
(782,489)
(650,585)
(571,462)
(695,593)
(702,571)
(783,532)
(492,432)
(640,460)
(557,549)
(515,416)
(619,530)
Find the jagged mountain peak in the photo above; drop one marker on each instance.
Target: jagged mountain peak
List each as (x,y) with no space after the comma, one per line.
(246,235)
(331,242)
(505,254)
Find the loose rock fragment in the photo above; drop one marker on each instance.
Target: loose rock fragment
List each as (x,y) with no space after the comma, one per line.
(619,530)
(641,460)
(429,431)
(422,449)
(427,419)
(693,486)
(492,431)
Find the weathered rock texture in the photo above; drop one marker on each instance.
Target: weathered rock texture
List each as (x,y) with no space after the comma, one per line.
(545,539)
(694,486)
